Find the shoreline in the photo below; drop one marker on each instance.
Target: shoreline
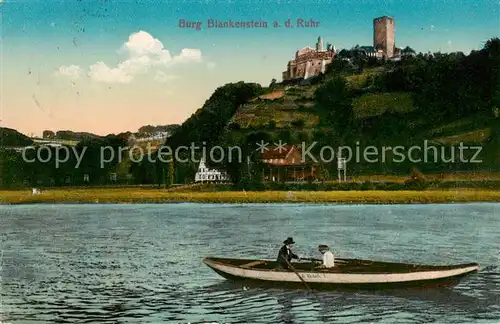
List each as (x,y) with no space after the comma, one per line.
(161,196)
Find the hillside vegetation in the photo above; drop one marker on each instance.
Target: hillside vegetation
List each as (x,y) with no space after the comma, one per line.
(442,100)
(439,100)
(11,137)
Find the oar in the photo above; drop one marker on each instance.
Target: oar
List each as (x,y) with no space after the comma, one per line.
(303,281)
(319,260)
(311,259)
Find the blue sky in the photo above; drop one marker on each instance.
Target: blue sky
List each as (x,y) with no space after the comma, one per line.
(79,64)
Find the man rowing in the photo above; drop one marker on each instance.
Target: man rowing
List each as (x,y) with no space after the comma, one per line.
(285,254)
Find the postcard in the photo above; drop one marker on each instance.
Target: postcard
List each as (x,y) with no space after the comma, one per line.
(249,161)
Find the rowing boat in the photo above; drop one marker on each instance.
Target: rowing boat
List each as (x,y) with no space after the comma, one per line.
(347,273)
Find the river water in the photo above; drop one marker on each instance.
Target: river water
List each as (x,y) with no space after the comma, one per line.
(143,263)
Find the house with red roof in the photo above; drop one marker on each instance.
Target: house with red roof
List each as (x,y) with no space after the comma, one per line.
(284,164)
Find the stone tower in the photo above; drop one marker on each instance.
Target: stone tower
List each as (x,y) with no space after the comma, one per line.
(384,35)
(319,44)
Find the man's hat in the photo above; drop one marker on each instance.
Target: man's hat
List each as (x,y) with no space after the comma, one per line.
(323,247)
(288,241)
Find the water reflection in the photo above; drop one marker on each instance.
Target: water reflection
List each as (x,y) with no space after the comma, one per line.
(109,264)
(337,304)
(286,303)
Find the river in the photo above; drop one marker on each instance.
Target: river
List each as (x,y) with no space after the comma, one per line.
(143,263)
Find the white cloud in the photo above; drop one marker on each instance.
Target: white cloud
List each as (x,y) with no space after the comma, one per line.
(142,43)
(163,77)
(189,55)
(102,73)
(71,71)
(210,65)
(143,53)
(135,65)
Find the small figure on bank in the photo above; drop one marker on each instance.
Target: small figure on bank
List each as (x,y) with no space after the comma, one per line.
(285,254)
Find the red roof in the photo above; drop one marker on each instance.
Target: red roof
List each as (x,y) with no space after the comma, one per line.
(277,152)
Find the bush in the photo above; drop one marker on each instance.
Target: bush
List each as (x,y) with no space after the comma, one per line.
(298,123)
(302,99)
(234,126)
(367,185)
(417,181)
(271,124)
(389,186)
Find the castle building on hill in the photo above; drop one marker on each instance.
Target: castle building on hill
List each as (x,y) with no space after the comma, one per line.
(309,62)
(384,36)
(384,40)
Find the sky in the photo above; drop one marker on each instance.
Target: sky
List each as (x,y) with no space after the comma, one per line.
(109,66)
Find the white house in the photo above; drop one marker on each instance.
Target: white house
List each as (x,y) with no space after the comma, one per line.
(205,174)
(152,137)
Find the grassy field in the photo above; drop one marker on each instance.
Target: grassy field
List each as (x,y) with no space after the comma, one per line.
(448,176)
(358,81)
(372,104)
(132,195)
(473,137)
(259,115)
(296,102)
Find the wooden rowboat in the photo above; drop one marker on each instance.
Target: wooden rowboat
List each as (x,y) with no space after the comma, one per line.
(347,273)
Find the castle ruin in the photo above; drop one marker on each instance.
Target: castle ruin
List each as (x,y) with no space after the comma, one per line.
(309,62)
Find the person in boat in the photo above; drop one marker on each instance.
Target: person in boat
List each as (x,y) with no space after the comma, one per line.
(328,258)
(285,254)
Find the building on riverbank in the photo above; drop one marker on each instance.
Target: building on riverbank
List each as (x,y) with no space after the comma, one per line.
(206,174)
(284,164)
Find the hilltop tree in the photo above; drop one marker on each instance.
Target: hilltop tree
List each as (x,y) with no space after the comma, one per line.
(492,51)
(339,66)
(334,99)
(271,124)
(451,85)
(272,85)
(147,129)
(48,134)
(344,54)
(408,50)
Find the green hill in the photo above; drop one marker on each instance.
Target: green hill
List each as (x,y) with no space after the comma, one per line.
(444,100)
(11,138)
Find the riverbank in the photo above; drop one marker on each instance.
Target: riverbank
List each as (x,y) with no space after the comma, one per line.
(129,195)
